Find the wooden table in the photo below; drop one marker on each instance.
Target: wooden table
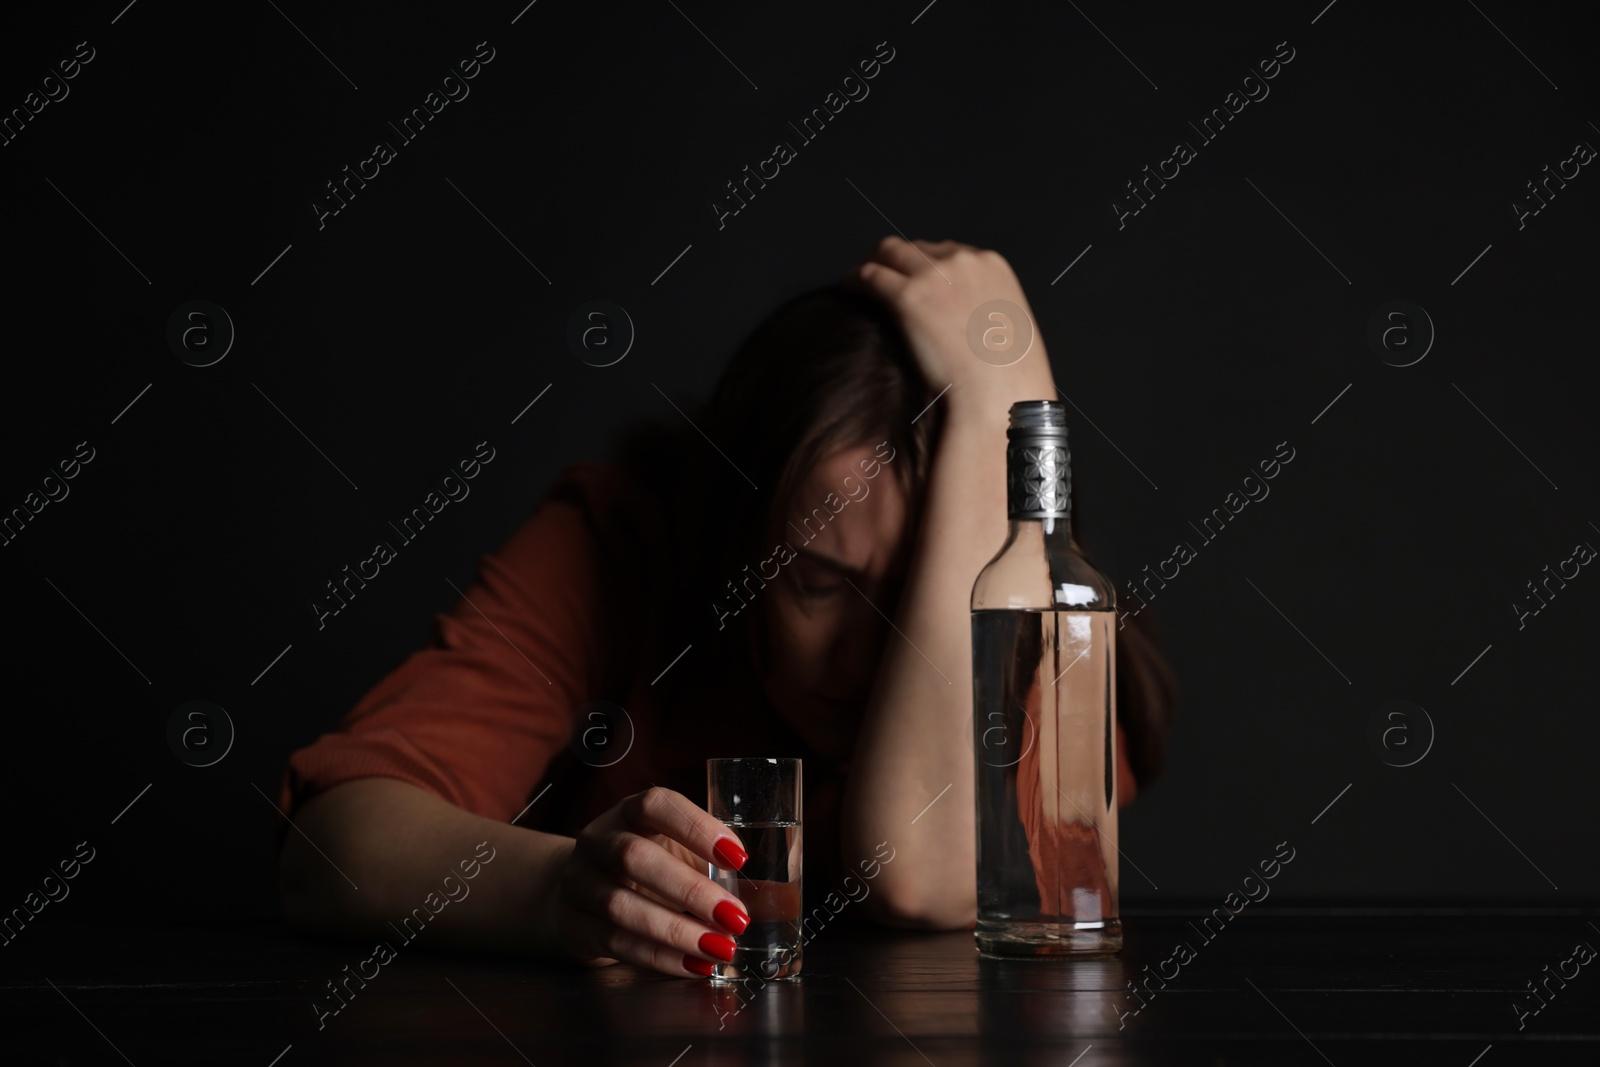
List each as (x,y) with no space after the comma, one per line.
(1307,986)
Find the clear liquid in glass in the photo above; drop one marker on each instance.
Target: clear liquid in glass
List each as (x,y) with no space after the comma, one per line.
(769,887)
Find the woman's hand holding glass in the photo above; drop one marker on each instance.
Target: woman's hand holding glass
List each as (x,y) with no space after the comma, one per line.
(635,887)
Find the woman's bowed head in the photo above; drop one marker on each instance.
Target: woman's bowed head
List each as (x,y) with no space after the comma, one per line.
(855,488)
(855,656)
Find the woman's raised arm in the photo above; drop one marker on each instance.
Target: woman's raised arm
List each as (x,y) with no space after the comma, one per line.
(913,749)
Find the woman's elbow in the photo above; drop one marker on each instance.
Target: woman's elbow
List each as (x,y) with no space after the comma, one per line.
(306,897)
(313,894)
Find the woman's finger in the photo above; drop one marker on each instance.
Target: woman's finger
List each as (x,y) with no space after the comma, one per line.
(901,255)
(590,935)
(616,906)
(667,812)
(876,279)
(640,863)
(612,900)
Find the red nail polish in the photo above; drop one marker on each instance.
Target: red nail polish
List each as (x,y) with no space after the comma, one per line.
(731,916)
(703,968)
(729,855)
(717,945)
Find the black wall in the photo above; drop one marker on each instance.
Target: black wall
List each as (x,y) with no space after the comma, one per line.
(1194,338)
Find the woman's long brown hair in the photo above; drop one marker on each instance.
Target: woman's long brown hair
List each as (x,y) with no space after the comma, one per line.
(827,370)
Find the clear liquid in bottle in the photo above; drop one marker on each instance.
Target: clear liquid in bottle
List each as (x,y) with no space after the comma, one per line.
(1044,734)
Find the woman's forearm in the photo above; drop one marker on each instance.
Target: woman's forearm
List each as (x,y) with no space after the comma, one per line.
(371,852)
(915,741)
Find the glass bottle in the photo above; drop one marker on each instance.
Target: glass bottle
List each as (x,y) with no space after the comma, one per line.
(1044,716)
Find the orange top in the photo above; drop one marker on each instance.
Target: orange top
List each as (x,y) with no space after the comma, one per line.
(498,714)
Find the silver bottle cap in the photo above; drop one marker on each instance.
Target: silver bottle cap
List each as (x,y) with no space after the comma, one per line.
(1038,468)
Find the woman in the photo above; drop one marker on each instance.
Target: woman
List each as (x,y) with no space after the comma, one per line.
(791,578)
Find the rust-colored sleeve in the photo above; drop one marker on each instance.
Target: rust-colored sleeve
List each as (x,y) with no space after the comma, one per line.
(477,716)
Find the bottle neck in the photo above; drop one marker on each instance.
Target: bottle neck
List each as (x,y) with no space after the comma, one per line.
(1039,482)
(1052,530)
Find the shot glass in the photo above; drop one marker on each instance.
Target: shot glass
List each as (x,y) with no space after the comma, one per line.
(760,799)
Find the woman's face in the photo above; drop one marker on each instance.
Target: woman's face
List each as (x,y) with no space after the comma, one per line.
(822,613)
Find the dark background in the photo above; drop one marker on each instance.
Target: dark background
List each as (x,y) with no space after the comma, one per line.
(1196,339)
